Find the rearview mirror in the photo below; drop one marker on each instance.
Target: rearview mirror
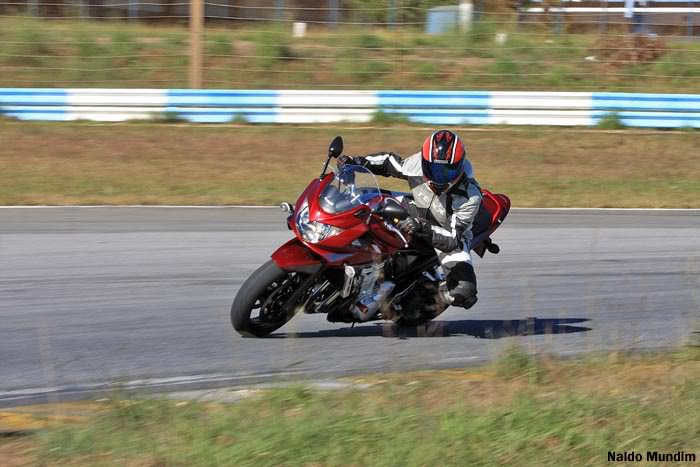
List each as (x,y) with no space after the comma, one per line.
(392,209)
(336,147)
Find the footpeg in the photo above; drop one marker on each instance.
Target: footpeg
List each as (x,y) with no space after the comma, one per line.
(493,248)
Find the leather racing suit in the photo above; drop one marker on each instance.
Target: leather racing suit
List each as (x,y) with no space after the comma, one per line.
(450,215)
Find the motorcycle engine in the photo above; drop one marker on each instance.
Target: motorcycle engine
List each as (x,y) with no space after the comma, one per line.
(372,291)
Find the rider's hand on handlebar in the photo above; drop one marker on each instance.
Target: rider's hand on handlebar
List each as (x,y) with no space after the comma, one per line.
(415,227)
(342,160)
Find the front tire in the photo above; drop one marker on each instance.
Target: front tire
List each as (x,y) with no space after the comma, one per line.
(263,293)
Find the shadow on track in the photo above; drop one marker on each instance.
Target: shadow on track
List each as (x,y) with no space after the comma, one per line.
(483,328)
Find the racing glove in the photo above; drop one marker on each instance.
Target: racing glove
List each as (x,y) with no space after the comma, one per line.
(415,227)
(343,160)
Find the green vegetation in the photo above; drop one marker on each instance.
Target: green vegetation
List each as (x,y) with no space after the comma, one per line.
(573,413)
(170,116)
(86,163)
(35,53)
(389,118)
(272,47)
(239,119)
(219,45)
(517,363)
(611,121)
(369,41)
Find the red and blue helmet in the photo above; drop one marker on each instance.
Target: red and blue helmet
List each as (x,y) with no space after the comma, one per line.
(443,160)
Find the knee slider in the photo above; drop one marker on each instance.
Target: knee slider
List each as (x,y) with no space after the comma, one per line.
(465,302)
(464,289)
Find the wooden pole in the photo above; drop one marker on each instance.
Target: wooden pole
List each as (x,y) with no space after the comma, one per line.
(196,27)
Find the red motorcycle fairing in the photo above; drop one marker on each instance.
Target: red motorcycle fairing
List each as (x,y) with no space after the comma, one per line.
(356,224)
(497,207)
(347,247)
(298,256)
(294,256)
(365,237)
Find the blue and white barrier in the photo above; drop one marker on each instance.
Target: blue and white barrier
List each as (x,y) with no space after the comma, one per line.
(649,110)
(429,107)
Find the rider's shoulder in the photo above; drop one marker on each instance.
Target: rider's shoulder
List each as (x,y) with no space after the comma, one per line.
(468,169)
(412,165)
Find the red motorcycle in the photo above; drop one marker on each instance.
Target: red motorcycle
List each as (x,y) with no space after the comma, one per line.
(348,258)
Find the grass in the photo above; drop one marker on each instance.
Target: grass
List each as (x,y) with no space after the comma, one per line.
(110,53)
(611,121)
(389,118)
(573,413)
(134,163)
(167,117)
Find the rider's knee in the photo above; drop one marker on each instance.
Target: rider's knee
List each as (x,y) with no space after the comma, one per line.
(462,285)
(462,279)
(465,302)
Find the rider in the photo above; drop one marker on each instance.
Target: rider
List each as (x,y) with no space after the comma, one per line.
(446,199)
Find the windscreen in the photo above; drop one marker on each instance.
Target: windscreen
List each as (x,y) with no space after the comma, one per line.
(353,186)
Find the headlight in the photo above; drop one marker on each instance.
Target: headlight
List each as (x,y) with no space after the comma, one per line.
(314,232)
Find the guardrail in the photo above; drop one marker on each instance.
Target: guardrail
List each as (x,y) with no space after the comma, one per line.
(430,107)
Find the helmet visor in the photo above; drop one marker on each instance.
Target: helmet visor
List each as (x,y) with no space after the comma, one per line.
(442,174)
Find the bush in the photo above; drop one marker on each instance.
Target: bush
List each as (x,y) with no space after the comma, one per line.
(272,46)
(677,64)
(381,117)
(125,49)
(168,117)
(369,41)
(611,121)
(427,71)
(239,119)
(32,44)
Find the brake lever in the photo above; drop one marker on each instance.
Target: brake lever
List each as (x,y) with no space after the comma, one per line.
(397,232)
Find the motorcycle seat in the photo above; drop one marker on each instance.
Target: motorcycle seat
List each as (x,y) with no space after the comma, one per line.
(482,221)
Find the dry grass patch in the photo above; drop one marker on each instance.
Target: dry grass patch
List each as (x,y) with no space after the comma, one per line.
(226,164)
(17,452)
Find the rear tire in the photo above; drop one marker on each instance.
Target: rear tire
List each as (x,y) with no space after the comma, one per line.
(265,290)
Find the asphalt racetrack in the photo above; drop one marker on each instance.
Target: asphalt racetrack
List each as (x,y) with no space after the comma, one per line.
(140,297)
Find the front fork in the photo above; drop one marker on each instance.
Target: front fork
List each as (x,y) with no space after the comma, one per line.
(289,307)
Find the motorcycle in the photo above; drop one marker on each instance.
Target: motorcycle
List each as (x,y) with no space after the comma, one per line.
(348,258)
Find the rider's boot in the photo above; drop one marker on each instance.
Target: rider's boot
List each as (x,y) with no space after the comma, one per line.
(444,296)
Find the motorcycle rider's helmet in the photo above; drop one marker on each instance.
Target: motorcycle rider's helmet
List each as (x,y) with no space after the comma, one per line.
(443,160)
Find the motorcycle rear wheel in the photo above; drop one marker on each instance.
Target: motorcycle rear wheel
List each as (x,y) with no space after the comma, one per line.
(265,291)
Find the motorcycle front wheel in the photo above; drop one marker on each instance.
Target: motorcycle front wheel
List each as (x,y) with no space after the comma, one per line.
(257,309)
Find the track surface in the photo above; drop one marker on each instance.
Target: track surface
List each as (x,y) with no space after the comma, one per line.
(141,296)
